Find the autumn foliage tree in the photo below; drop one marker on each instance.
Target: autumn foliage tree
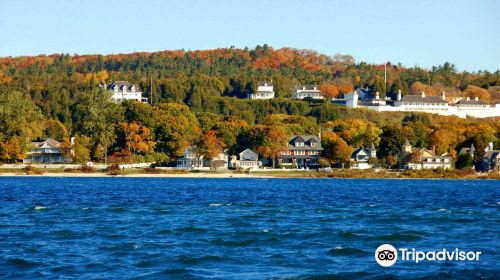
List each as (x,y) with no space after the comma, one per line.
(273,140)
(138,138)
(211,146)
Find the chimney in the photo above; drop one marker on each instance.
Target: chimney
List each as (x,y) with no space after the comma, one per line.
(491,146)
(423,94)
(399,95)
(468,98)
(377,95)
(72,141)
(476,98)
(443,95)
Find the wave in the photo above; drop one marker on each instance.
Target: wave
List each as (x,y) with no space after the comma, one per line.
(404,236)
(23,263)
(346,251)
(196,260)
(192,229)
(40,208)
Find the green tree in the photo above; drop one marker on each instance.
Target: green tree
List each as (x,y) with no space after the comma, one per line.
(97,117)
(19,116)
(81,149)
(464,160)
(176,127)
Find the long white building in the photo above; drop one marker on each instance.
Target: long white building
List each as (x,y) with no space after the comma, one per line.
(309,92)
(463,108)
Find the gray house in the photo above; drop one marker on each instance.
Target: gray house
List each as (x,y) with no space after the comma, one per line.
(491,160)
(48,151)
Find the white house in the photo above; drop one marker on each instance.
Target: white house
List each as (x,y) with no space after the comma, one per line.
(265,90)
(190,159)
(122,90)
(309,92)
(193,160)
(361,156)
(247,159)
(422,158)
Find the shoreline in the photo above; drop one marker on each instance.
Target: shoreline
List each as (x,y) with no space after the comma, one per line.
(230,175)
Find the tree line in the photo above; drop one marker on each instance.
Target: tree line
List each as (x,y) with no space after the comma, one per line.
(198,100)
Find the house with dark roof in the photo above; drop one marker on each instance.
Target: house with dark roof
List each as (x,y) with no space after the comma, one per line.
(421,102)
(308,92)
(48,151)
(265,90)
(123,90)
(302,151)
(490,161)
(360,158)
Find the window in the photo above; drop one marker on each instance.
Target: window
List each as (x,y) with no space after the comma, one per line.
(299,144)
(300,152)
(313,144)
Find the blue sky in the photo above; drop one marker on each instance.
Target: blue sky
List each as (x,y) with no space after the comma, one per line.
(419,32)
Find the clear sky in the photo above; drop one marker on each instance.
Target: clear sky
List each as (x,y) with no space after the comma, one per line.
(418,32)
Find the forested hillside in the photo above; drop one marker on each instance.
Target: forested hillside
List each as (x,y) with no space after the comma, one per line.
(198,100)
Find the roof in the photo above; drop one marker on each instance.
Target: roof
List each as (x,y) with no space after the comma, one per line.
(306,139)
(406,143)
(426,99)
(307,88)
(120,84)
(248,154)
(49,143)
(491,154)
(471,102)
(263,83)
(360,150)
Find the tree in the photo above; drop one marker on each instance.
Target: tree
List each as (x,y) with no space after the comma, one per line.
(80,149)
(211,146)
(97,117)
(176,127)
(392,138)
(335,149)
(464,160)
(19,116)
(55,129)
(272,142)
(329,91)
(138,138)
(418,88)
(13,149)
(474,91)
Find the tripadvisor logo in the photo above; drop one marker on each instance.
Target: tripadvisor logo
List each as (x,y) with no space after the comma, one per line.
(387,255)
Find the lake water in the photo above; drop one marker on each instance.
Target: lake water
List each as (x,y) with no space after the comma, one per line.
(173,228)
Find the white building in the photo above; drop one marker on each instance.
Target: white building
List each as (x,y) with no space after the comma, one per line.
(265,90)
(361,156)
(247,159)
(122,90)
(193,160)
(463,108)
(308,92)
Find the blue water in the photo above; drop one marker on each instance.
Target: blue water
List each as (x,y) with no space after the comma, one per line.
(159,228)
